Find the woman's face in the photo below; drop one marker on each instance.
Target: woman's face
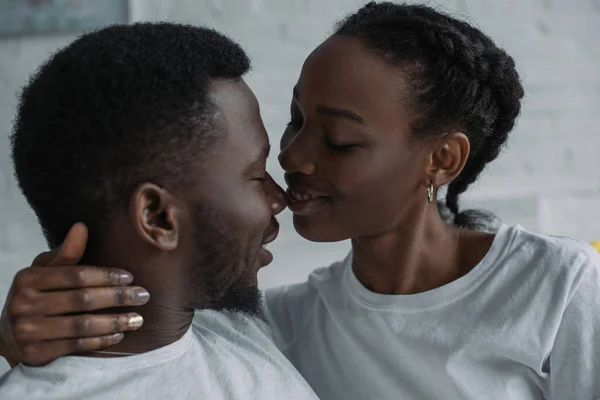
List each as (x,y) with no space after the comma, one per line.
(350,166)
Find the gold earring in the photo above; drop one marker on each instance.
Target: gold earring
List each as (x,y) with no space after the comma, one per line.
(430,193)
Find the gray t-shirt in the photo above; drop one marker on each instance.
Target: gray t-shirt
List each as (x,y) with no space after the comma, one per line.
(222,356)
(523,324)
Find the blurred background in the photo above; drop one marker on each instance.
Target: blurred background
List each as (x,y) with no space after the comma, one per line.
(548,178)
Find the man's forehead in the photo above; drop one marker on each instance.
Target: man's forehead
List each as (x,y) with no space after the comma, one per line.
(245,137)
(232,93)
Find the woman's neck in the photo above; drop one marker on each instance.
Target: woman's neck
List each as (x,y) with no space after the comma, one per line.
(420,255)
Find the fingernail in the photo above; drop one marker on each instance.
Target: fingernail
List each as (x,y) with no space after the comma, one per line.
(117,337)
(135,321)
(125,278)
(140,296)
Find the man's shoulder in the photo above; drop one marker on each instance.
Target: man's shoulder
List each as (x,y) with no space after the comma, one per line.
(245,344)
(226,323)
(18,383)
(67,378)
(78,377)
(235,331)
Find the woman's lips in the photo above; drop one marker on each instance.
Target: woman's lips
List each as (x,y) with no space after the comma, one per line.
(306,203)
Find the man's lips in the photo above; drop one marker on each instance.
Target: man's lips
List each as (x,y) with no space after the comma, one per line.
(265,256)
(271,233)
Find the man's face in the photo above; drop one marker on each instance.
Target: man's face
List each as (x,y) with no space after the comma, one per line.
(233,208)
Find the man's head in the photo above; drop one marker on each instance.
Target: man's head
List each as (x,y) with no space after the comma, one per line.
(148,135)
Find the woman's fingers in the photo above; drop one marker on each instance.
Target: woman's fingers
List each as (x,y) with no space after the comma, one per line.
(41,353)
(31,303)
(30,329)
(67,277)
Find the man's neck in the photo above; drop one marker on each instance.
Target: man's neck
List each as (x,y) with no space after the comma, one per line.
(162,326)
(166,316)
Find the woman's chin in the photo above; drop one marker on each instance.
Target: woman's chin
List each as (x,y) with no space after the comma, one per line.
(317,230)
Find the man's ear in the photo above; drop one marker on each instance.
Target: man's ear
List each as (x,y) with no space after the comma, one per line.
(448,158)
(154,216)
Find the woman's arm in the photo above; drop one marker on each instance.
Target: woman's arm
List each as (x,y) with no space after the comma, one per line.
(575,357)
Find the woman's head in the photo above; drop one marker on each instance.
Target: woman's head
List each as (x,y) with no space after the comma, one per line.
(401,97)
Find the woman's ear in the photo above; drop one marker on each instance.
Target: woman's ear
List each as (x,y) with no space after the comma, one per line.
(448,158)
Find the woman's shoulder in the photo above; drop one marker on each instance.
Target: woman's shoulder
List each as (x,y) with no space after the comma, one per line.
(318,278)
(555,254)
(288,309)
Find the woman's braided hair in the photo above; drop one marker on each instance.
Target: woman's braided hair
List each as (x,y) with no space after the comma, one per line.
(460,81)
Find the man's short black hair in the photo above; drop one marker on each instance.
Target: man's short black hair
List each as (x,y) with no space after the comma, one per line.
(117,107)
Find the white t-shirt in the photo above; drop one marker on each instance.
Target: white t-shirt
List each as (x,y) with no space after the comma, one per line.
(523,324)
(222,356)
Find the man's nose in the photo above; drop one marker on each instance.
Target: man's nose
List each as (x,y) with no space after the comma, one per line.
(276,195)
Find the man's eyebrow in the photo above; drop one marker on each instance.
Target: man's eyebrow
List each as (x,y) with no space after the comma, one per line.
(263,155)
(259,161)
(334,111)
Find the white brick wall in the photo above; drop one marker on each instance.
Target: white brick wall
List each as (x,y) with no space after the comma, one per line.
(547,180)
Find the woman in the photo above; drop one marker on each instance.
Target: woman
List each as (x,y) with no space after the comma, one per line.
(400,101)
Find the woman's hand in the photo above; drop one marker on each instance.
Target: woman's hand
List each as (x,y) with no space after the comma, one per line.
(44,316)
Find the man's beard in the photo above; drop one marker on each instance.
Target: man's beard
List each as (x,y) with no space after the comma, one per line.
(223,276)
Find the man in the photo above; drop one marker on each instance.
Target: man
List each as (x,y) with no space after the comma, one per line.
(148,135)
